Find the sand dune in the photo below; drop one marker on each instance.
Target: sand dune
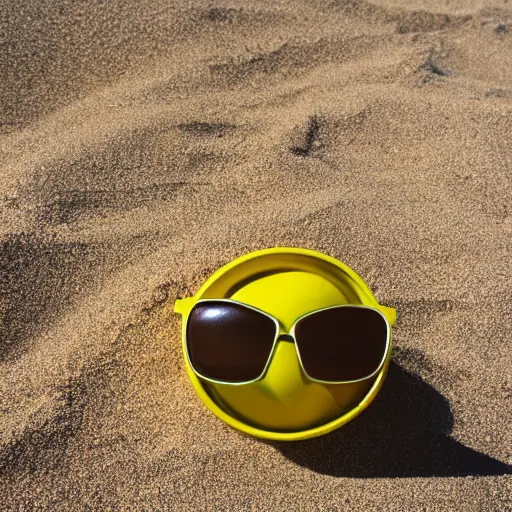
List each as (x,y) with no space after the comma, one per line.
(145,144)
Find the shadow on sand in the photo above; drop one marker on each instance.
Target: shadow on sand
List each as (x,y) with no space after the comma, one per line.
(403,433)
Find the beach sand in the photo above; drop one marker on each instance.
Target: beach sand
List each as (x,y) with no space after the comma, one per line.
(143,144)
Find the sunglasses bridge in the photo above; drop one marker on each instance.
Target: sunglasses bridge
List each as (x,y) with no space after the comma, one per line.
(286,337)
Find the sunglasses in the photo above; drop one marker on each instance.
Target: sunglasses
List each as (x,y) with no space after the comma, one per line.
(233,343)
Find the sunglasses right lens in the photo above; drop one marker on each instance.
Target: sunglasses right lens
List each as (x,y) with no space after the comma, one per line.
(229,342)
(342,344)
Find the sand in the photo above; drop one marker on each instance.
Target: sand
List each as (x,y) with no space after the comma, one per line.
(143,144)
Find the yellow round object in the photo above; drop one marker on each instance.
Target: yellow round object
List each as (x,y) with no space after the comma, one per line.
(286,283)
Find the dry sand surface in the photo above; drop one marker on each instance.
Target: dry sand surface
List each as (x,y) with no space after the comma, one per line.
(143,144)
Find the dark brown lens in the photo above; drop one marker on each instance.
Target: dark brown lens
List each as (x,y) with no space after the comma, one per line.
(345,343)
(229,342)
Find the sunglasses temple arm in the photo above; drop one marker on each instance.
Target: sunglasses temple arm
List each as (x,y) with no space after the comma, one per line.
(389,313)
(183,306)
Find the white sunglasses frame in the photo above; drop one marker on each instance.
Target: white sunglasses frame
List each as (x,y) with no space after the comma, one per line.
(292,335)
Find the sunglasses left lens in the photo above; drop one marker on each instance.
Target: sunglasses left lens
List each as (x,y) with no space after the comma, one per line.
(229,342)
(342,344)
